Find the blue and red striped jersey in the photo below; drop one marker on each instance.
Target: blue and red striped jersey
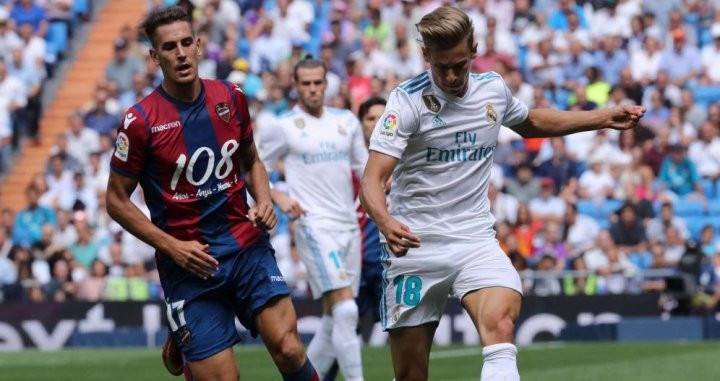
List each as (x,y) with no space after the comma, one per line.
(186,158)
(370,234)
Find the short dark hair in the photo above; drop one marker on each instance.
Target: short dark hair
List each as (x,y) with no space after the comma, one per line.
(365,106)
(163,16)
(308,63)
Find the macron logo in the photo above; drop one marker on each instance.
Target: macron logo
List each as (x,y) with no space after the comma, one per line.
(129,118)
(165,126)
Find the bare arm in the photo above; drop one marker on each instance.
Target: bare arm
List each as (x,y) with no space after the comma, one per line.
(190,255)
(372,195)
(548,123)
(262,215)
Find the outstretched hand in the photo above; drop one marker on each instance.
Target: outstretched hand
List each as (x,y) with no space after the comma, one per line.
(624,117)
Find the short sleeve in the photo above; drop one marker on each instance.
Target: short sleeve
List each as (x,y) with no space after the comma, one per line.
(394,128)
(131,145)
(516,112)
(243,113)
(272,144)
(359,153)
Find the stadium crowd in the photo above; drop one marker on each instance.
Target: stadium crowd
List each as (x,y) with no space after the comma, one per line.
(608,205)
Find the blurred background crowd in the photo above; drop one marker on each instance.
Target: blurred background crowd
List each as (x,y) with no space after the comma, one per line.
(592,213)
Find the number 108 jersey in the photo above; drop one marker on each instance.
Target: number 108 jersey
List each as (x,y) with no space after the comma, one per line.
(186,157)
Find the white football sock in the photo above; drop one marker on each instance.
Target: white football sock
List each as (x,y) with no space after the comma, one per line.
(499,363)
(320,351)
(345,340)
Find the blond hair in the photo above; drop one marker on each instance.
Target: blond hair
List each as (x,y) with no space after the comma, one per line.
(445,27)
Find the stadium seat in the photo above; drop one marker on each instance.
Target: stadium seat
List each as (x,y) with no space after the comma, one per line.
(707,94)
(611,206)
(589,208)
(696,224)
(710,189)
(57,38)
(688,209)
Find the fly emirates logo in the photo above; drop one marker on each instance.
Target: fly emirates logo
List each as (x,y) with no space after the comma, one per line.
(465,149)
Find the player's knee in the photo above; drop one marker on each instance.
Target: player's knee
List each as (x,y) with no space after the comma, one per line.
(497,326)
(345,313)
(411,373)
(288,351)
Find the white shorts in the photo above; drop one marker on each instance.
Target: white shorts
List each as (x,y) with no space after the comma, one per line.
(332,258)
(416,286)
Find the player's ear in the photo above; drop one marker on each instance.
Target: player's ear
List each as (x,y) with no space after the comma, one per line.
(473,50)
(154,56)
(425,54)
(197,45)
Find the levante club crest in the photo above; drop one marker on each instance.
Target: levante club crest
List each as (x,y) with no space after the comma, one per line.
(223,111)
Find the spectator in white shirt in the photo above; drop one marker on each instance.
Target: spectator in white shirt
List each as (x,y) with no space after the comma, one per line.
(597,183)
(710,56)
(80,139)
(503,206)
(579,231)
(656,228)
(645,62)
(546,207)
(705,152)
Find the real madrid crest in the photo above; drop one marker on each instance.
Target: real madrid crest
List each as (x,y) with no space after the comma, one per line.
(491,114)
(223,111)
(342,130)
(300,123)
(432,103)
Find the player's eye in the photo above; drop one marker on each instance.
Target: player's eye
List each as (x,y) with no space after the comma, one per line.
(187,41)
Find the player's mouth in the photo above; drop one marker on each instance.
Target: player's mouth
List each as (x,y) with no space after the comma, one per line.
(184,69)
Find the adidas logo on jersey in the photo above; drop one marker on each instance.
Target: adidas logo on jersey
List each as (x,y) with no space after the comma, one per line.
(437,121)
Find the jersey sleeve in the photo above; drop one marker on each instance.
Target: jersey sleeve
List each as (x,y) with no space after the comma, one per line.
(359,153)
(516,112)
(246,128)
(131,145)
(394,128)
(272,144)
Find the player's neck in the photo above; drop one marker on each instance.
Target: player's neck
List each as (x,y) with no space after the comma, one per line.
(183,92)
(317,113)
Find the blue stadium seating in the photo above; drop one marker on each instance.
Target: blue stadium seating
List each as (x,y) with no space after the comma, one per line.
(57,38)
(705,95)
(689,209)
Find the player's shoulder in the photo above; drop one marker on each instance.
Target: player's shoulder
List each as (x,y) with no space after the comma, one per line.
(416,84)
(221,87)
(136,116)
(488,85)
(339,112)
(485,77)
(288,115)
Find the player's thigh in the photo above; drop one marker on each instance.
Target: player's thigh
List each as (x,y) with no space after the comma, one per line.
(490,289)
(415,288)
(277,324)
(493,311)
(410,351)
(203,326)
(218,367)
(258,286)
(323,259)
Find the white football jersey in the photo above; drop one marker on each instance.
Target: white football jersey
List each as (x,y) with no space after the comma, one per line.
(444,146)
(319,156)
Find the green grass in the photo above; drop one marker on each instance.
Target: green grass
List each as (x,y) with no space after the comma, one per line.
(586,362)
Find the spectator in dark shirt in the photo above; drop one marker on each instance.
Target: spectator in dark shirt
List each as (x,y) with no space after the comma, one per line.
(99,119)
(629,232)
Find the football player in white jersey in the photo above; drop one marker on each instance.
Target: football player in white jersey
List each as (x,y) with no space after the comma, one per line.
(319,147)
(437,138)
